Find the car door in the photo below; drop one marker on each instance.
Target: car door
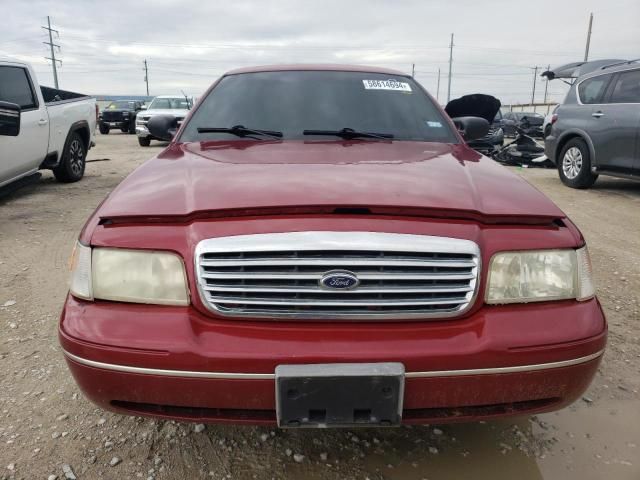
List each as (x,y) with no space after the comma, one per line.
(23,153)
(623,102)
(613,126)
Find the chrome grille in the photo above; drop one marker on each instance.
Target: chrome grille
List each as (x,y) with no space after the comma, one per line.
(278,275)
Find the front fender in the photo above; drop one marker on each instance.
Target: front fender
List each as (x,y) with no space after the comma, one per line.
(576,132)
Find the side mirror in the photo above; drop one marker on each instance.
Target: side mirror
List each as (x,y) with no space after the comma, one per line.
(9,119)
(143,107)
(163,127)
(471,128)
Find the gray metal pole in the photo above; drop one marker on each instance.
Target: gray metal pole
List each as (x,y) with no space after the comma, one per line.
(450,63)
(438,89)
(413,70)
(546,85)
(586,50)
(146,75)
(533,92)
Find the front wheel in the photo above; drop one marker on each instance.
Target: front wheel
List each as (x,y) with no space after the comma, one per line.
(574,165)
(104,129)
(144,141)
(71,168)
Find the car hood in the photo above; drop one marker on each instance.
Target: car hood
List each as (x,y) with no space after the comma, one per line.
(247,177)
(166,111)
(476,105)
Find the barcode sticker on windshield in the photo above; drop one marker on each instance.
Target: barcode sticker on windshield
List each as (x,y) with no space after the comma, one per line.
(390,84)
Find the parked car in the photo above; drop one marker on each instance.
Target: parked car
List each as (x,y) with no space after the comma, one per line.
(317,246)
(41,127)
(483,106)
(120,114)
(529,122)
(597,131)
(177,106)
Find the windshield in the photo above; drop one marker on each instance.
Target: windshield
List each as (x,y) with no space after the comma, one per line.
(294,101)
(175,103)
(120,106)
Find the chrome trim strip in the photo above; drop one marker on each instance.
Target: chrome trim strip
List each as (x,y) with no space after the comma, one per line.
(169,373)
(271,376)
(498,370)
(328,241)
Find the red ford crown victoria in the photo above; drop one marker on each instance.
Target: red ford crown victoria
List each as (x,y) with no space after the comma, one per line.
(317,246)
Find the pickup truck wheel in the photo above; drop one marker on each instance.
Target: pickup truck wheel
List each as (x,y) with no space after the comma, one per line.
(104,129)
(71,168)
(144,141)
(574,164)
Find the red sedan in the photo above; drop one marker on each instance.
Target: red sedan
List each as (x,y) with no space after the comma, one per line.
(317,246)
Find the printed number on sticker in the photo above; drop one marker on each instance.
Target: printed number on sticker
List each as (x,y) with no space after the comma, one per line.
(390,84)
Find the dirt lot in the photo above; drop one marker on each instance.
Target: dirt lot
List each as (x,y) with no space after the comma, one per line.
(47,427)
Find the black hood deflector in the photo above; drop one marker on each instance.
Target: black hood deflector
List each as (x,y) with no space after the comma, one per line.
(476,105)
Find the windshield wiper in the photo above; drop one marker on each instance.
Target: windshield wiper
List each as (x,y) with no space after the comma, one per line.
(241,131)
(348,133)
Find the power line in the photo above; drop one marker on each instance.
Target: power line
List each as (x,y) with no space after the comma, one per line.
(53,53)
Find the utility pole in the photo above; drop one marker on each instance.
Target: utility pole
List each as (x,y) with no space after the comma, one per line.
(450,63)
(586,50)
(413,70)
(146,75)
(438,89)
(535,76)
(546,85)
(53,53)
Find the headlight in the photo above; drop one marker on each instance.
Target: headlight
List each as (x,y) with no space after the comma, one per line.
(136,276)
(536,276)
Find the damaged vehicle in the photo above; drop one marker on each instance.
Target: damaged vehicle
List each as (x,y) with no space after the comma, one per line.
(597,128)
(318,246)
(483,106)
(529,123)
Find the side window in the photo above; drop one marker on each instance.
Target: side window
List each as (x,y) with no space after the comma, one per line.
(591,90)
(627,88)
(16,88)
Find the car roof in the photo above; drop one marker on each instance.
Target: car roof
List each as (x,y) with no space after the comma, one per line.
(631,65)
(316,67)
(170,96)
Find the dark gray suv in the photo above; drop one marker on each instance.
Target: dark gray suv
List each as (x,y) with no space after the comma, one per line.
(597,130)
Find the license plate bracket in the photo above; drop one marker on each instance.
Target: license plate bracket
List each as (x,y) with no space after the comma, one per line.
(339,395)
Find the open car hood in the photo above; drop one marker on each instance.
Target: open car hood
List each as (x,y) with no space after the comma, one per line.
(476,105)
(577,69)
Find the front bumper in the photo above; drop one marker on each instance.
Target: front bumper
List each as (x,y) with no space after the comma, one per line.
(175,362)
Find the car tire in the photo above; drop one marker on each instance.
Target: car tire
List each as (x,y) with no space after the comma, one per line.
(104,129)
(144,141)
(72,164)
(124,129)
(574,164)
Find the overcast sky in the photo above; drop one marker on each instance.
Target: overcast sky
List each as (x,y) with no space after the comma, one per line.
(189,43)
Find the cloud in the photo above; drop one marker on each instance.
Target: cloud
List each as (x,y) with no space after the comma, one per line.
(189,43)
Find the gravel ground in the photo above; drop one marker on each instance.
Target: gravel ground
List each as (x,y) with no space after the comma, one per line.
(48,430)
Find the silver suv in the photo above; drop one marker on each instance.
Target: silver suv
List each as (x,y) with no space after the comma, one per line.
(597,128)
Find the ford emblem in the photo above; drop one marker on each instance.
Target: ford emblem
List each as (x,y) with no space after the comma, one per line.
(339,280)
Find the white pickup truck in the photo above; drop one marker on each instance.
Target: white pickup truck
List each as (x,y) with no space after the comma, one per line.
(41,127)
